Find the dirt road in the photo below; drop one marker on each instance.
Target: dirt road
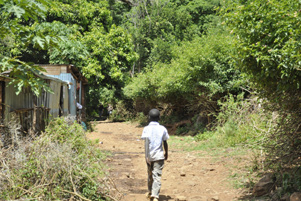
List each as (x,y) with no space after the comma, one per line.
(186,176)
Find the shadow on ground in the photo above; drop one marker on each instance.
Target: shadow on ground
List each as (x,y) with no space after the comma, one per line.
(165,198)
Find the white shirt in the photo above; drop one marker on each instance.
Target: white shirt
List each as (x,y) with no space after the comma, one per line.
(154,134)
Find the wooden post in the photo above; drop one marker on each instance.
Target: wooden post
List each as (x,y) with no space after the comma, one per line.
(83,102)
(1,100)
(34,118)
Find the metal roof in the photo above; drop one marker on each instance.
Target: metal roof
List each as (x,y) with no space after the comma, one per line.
(6,76)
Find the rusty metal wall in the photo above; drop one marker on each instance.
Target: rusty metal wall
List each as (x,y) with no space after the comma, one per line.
(66,100)
(14,102)
(48,104)
(34,112)
(54,99)
(67,77)
(21,106)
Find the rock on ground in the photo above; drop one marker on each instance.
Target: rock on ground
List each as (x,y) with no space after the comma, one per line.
(295,196)
(264,185)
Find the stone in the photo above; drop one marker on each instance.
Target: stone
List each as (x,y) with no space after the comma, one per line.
(264,185)
(182,174)
(198,198)
(215,198)
(180,198)
(191,183)
(182,171)
(295,196)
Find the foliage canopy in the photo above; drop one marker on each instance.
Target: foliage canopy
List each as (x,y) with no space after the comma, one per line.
(268,42)
(199,68)
(15,36)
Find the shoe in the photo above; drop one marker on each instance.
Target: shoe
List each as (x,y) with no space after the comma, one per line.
(155,199)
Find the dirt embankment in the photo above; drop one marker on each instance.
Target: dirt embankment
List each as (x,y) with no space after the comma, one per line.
(186,175)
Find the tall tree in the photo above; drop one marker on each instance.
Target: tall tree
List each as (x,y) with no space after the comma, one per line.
(16,20)
(269,54)
(91,41)
(200,72)
(269,45)
(158,25)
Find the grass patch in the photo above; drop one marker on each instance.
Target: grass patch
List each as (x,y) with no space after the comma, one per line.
(241,166)
(189,144)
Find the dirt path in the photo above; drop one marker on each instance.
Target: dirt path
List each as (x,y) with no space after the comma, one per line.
(186,175)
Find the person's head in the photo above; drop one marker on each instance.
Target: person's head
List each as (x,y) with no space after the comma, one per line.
(154,115)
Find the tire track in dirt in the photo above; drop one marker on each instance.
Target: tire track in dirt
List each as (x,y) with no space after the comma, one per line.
(186,176)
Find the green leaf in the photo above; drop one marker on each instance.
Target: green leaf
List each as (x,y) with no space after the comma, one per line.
(16,10)
(38,42)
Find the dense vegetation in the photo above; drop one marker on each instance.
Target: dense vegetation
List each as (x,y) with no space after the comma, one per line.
(269,47)
(231,68)
(60,164)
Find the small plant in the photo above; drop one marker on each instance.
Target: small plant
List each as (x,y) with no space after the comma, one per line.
(182,130)
(121,113)
(141,118)
(91,126)
(203,136)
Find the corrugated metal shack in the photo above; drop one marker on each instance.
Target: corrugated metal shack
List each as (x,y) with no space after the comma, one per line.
(32,111)
(77,83)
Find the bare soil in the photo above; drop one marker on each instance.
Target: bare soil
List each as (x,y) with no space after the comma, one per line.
(189,176)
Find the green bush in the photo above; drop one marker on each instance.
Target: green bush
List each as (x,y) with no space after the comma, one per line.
(58,165)
(268,44)
(199,68)
(141,118)
(250,123)
(121,112)
(283,146)
(203,136)
(182,130)
(240,122)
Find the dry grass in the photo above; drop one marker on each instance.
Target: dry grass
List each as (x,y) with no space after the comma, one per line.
(60,164)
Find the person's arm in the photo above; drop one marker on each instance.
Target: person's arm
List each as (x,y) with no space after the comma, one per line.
(166,149)
(146,146)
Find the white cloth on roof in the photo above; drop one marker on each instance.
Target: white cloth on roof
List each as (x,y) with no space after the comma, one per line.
(79,106)
(154,134)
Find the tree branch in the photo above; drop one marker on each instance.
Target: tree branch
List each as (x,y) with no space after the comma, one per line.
(127,2)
